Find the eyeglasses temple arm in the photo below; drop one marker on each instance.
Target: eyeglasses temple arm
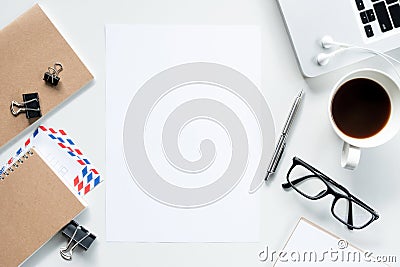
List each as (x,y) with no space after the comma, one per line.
(317,172)
(295,182)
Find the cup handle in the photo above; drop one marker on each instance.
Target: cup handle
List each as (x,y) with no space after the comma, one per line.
(350,156)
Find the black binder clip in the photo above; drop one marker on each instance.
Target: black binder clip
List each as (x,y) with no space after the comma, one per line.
(51,76)
(78,235)
(30,106)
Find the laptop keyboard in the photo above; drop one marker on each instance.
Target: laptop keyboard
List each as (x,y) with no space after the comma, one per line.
(386,13)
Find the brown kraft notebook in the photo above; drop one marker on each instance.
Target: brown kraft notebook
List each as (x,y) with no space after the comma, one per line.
(29,45)
(34,205)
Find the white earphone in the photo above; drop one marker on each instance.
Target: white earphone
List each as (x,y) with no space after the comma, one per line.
(327,42)
(324,58)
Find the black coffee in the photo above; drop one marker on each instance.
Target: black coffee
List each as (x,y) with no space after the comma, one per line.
(361,108)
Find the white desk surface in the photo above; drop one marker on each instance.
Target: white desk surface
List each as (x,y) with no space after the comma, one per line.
(376,180)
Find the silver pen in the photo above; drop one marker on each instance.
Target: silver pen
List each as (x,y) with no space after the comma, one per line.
(280,147)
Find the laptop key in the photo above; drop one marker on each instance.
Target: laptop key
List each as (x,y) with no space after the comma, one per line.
(360,4)
(383,17)
(364,18)
(395,14)
(391,1)
(370,15)
(369,31)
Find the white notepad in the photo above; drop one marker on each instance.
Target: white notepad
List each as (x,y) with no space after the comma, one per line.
(311,245)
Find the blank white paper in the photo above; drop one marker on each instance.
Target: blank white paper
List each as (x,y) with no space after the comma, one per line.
(139,205)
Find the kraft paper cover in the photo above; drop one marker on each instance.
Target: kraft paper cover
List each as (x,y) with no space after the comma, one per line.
(34,205)
(28,46)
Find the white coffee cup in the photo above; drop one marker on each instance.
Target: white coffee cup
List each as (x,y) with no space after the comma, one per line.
(351,147)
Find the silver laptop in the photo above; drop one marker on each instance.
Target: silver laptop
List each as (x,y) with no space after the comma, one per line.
(373,24)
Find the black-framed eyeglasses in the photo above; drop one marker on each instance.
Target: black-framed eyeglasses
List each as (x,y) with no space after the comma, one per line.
(314,185)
